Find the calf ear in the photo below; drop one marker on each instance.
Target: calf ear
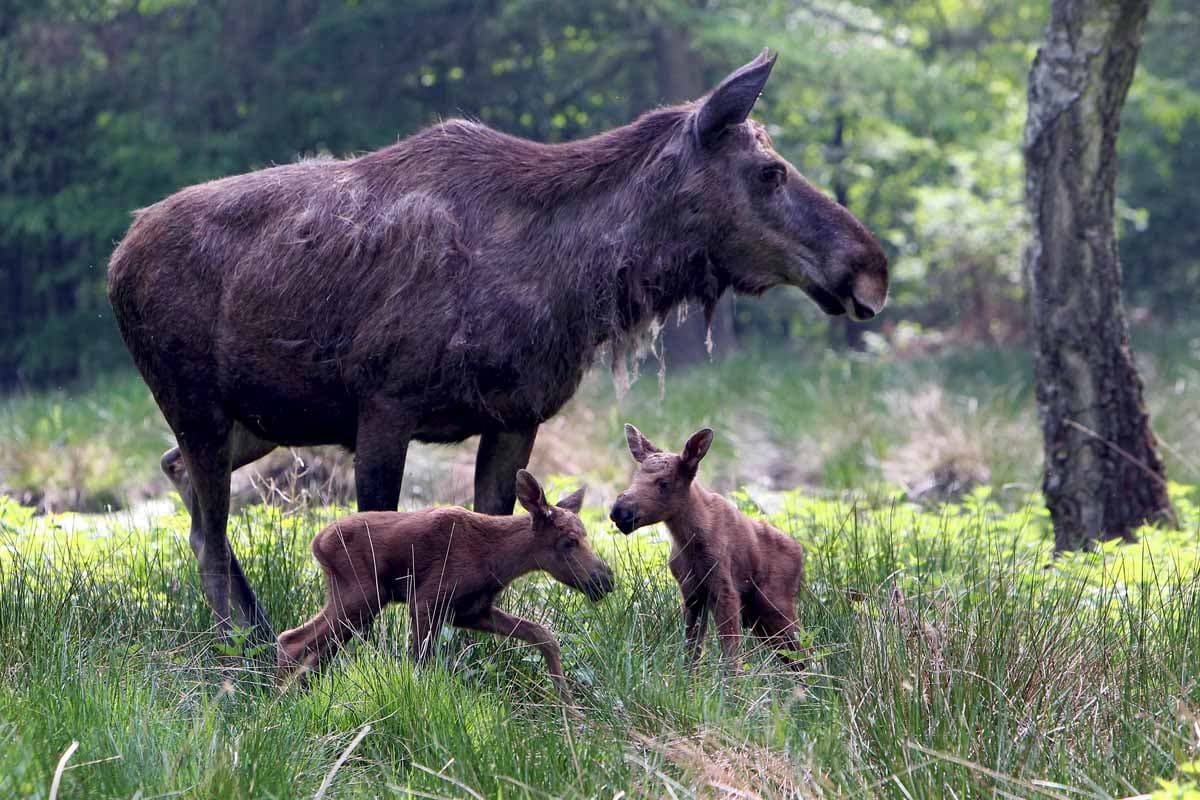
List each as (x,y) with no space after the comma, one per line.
(574,501)
(730,103)
(694,449)
(639,446)
(530,493)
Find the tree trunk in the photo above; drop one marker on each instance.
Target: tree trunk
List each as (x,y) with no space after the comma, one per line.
(681,78)
(844,332)
(1103,477)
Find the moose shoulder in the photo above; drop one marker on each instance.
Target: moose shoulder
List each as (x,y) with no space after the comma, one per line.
(457,283)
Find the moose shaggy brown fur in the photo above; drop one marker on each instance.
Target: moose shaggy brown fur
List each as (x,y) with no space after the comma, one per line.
(742,570)
(448,565)
(456,283)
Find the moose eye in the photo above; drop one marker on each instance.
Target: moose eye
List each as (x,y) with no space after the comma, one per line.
(664,486)
(773,174)
(567,543)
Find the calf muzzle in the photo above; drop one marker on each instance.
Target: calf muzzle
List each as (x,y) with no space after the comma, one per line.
(624,516)
(599,584)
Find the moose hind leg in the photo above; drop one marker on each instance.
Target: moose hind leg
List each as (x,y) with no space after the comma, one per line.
(311,645)
(206,455)
(244,447)
(500,455)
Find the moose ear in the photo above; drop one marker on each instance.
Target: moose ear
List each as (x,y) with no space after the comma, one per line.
(730,103)
(639,446)
(574,501)
(695,448)
(529,492)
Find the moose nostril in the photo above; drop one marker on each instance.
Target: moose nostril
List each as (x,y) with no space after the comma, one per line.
(861,312)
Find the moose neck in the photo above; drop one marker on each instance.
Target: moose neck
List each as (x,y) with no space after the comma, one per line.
(613,205)
(693,522)
(509,549)
(596,228)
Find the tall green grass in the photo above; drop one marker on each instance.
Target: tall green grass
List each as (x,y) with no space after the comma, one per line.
(950,656)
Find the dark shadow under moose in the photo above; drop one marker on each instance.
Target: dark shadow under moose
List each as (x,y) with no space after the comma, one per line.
(742,571)
(457,283)
(448,565)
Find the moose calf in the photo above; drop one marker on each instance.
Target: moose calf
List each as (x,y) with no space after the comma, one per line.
(743,570)
(447,564)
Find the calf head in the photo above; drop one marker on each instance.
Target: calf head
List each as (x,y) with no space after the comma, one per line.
(662,485)
(561,546)
(764,223)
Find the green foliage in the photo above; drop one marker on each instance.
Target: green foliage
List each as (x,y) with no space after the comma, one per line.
(948,651)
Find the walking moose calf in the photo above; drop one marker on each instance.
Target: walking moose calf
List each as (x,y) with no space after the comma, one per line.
(447,564)
(744,571)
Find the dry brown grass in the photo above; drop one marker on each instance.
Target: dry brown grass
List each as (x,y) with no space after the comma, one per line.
(711,763)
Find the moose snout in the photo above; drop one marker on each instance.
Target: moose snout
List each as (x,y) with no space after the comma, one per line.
(867,290)
(624,515)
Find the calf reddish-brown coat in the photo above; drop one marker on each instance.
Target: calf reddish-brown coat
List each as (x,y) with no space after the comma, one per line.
(448,565)
(742,570)
(456,283)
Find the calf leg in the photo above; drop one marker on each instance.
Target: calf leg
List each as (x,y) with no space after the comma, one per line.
(778,629)
(506,625)
(426,618)
(729,624)
(695,625)
(311,645)
(499,457)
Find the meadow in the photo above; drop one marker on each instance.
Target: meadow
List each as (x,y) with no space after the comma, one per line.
(950,655)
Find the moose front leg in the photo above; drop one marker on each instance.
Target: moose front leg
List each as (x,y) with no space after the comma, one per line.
(506,625)
(501,454)
(729,625)
(380,448)
(695,616)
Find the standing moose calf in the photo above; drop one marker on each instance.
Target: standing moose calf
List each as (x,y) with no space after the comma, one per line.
(448,565)
(454,284)
(743,571)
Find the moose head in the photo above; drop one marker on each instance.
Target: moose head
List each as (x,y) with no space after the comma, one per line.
(766,224)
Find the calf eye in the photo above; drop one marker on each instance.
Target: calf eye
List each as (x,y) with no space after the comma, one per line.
(567,543)
(664,486)
(774,174)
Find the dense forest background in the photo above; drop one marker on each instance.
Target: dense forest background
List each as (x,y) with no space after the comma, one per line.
(909,112)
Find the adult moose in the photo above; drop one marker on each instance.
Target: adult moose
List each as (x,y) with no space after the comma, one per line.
(456,283)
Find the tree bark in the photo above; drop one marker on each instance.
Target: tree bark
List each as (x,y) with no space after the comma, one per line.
(681,78)
(1103,476)
(844,332)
